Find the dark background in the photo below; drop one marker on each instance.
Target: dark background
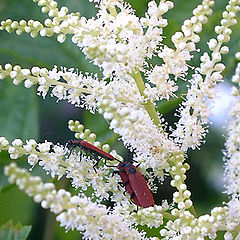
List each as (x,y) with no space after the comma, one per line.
(25,115)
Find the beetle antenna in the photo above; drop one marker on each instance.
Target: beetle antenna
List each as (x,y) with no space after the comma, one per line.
(48,133)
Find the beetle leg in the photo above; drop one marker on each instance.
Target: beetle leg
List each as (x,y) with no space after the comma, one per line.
(114,172)
(96,157)
(70,152)
(132,195)
(138,165)
(125,183)
(121,184)
(80,153)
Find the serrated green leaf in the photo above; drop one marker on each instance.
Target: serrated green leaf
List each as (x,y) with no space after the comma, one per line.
(10,232)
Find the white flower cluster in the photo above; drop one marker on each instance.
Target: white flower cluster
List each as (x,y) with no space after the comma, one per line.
(61,22)
(51,161)
(232,153)
(175,60)
(189,227)
(78,89)
(116,41)
(191,127)
(93,220)
(138,132)
(71,89)
(101,180)
(232,161)
(233,219)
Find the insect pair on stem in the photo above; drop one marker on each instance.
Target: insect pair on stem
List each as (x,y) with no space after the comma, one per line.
(132,179)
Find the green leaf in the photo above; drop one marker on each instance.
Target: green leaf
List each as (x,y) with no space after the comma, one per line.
(167,106)
(6,188)
(101,129)
(11,232)
(19,112)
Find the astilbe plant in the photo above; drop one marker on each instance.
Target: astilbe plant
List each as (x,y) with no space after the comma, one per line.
(120,44)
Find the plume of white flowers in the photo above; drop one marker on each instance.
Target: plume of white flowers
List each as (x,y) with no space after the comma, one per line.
(120,44)
(191,127)
(175,60)
(232,160)
(232,152)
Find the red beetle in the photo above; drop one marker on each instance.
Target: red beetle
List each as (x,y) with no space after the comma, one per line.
(135,184)
(132,179)
(125,180)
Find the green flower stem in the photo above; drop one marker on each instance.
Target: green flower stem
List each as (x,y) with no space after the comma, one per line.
(236,231)
(149,106)
(113,11)
(192,211)
(63,164)
(50,227)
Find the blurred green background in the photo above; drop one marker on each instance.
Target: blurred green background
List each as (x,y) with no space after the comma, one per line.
(25,115)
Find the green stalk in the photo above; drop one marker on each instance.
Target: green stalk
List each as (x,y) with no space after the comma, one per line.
(236,231)
(192,211)
(113,11)
(50,226)
(149,106)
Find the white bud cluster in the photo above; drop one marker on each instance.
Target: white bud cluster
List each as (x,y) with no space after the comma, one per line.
(195,110)
(16,150)
(31,27)
(192,27)
(4,144)
(87,135)
(151,216)
(61,23)
(187,226)
(154,22)
(177,171)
